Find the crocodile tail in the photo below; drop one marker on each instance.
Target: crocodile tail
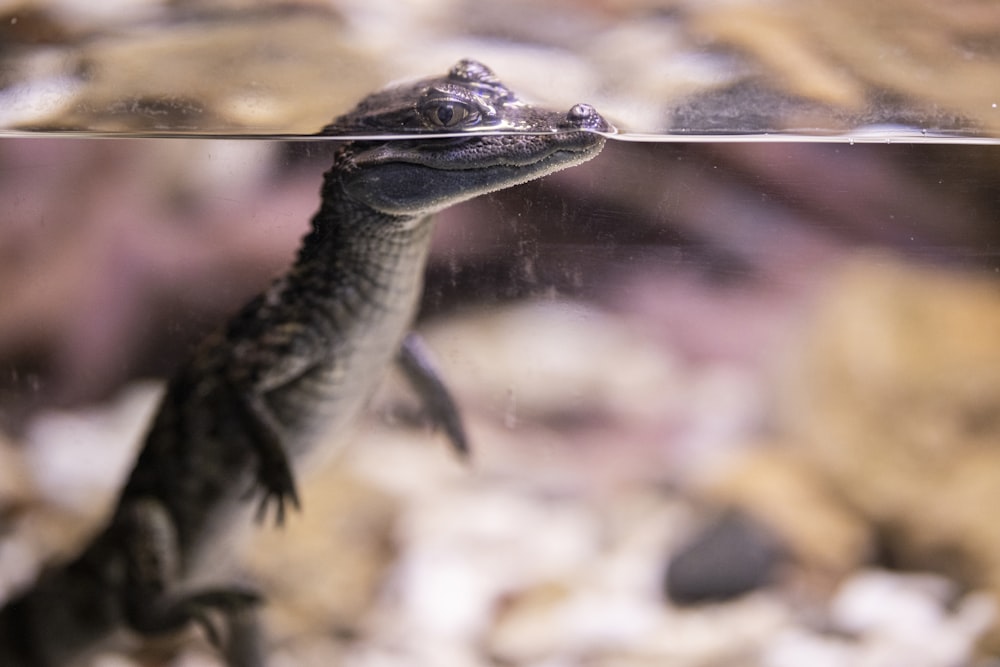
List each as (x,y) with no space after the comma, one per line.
(16,646)
(65,615)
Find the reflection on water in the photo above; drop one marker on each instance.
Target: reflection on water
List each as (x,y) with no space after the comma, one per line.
(644,347)
(875,135)
(654,67)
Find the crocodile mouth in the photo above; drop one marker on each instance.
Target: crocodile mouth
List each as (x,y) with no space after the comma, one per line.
(412,178)
(480,151)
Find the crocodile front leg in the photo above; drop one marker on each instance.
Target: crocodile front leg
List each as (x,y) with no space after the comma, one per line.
(274,476)
(417,364)
(258,366)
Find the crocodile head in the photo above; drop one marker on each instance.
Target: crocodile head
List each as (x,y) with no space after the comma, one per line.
(495,141)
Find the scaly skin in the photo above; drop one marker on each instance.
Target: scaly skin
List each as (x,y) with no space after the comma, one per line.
(302,357)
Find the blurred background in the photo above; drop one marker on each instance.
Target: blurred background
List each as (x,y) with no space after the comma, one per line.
(731,402)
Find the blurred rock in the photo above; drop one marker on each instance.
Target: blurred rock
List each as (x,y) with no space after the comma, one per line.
(16,488)
(880,618)
(225,73)
(894,399)
(731,556)
(18,497)
(795,502)
(816,51)
(735,66)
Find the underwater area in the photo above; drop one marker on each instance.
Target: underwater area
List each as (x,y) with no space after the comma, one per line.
(732,387)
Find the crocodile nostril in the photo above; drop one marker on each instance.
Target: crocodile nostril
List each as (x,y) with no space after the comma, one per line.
(585,117)
(581,112)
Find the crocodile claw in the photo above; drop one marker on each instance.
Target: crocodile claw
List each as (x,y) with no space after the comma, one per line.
(276,482)
(226,601)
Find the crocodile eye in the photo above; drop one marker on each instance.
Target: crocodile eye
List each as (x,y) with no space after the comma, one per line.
(449,113)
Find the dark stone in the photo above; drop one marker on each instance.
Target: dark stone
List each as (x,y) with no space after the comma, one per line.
(731,556)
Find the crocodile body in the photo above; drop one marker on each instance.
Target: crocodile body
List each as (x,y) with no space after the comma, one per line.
(301,358)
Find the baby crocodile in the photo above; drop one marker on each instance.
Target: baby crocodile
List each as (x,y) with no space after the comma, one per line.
(301,357)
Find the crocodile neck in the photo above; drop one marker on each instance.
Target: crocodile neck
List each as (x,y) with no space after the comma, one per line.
(355,286)
(357,263)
